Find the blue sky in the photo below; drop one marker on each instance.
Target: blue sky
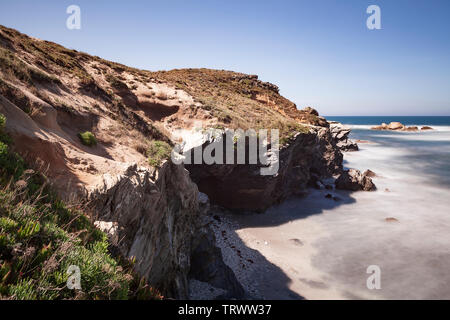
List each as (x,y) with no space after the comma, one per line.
(320,53)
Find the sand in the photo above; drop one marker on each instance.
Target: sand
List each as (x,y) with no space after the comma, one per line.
(318,248)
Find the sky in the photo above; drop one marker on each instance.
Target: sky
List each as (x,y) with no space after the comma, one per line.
(319,52)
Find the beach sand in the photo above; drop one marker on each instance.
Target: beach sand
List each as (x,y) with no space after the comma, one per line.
(319,248)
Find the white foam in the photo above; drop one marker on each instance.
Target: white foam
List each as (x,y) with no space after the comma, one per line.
(343,238)
(369,127)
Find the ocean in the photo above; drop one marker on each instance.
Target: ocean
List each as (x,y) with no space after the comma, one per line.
(427,152)
(406,120)
(403,227)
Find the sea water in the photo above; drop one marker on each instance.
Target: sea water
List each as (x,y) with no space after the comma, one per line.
(403,228)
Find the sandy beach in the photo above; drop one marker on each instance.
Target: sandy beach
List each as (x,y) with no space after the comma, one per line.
(320,248)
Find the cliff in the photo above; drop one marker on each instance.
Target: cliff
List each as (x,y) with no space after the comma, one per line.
(104,130)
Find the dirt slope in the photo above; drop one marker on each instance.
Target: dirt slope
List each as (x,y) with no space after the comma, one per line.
(50,94)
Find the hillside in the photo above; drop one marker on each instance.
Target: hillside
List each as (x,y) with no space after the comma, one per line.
(64,92)
(101,132)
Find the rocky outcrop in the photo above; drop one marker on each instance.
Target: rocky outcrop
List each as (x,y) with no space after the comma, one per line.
(398,126)
(155,216)
(155,212)
(305,158)
(309,110)
(340,133)
(311,116)
(354,180)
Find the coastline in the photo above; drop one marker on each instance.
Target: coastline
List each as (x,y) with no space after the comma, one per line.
(321,248)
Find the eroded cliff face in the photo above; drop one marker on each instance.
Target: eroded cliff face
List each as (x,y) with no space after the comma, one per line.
(155,212)
(160,225)
(50,94)
(304,159)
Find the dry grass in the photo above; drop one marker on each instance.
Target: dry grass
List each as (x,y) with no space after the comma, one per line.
(236,99)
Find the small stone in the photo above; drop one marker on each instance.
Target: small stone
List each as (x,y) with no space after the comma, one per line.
(297,242)
(21,184)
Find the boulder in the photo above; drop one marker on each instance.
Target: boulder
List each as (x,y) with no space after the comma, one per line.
(395,126)
(354,180)
(370,173)
(383,126)
(398,126)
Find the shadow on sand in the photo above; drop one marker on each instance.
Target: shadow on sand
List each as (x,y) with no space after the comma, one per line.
(253,269)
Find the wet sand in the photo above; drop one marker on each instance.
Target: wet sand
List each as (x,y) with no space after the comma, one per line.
(319,248)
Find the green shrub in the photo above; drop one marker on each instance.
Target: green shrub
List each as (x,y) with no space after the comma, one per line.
(40,237)
(157,152)
(87,138)
(2,122)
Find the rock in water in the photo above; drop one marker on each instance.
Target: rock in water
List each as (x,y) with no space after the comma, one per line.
(413,129)
(370,173)
(354,180)
(395,126)
(383,126)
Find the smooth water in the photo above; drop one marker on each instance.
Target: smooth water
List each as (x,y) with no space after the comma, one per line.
(403,227)
(426,153)
(406,120)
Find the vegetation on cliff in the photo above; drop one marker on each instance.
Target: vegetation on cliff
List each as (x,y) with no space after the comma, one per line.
(41,237)
(158,151)
(58,100)
(87,138)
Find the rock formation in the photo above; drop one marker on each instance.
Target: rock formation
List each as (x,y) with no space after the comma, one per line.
(340,134)
(305,158)
(152,211)
(161,226)
(397,126)
(354,180)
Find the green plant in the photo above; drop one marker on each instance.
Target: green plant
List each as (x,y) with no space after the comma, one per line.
(157,152)
(2,122)
(10,162)
(87,138)
(40,237)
